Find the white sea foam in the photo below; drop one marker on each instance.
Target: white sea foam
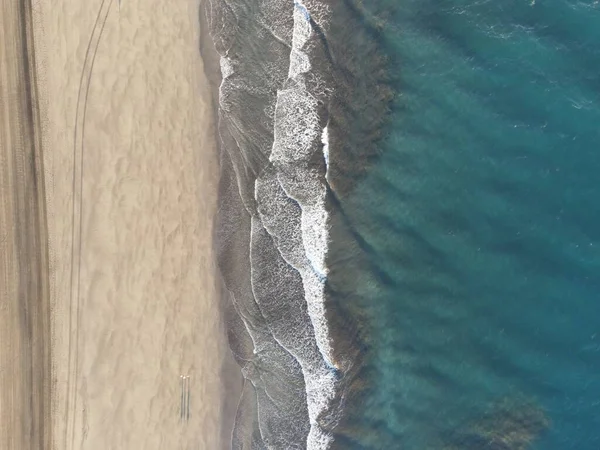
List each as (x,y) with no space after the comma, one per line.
(325,142)
(299,62)
(226,67)
(296,132)
(290,197)
(297,135)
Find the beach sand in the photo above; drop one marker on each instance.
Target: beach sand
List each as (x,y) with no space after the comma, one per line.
(24,271)
(130,170)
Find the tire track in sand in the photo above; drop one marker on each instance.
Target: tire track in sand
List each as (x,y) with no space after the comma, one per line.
(77,207)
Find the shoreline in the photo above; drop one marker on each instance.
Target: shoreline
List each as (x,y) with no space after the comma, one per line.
(210,59)
(233,380)
(292,151)
(273,190)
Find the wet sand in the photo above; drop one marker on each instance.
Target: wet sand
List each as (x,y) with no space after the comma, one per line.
(116,233)
(24,272)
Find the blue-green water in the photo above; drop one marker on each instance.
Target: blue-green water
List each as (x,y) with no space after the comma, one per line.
(480,226)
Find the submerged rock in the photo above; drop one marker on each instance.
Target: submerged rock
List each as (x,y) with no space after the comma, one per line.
(512,424)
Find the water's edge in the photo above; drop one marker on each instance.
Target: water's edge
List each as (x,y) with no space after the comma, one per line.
(271,239)
(231,378)
(300,104)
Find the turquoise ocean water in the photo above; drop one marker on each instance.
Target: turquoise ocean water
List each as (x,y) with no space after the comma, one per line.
(480,228)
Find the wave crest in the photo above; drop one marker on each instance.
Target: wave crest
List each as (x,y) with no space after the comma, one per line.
(274,221)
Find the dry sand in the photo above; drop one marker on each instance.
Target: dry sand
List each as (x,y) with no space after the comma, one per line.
(131,174)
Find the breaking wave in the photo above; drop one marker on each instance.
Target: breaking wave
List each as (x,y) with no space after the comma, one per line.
(277,97)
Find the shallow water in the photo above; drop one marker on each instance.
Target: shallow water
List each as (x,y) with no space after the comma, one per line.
(410,231)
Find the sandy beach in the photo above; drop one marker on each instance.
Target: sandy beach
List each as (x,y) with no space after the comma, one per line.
(25,366)
(128,187)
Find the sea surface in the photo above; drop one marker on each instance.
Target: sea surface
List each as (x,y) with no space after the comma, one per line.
(409,229)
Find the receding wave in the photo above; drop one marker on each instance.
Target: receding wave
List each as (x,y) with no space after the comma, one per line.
(277,114)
